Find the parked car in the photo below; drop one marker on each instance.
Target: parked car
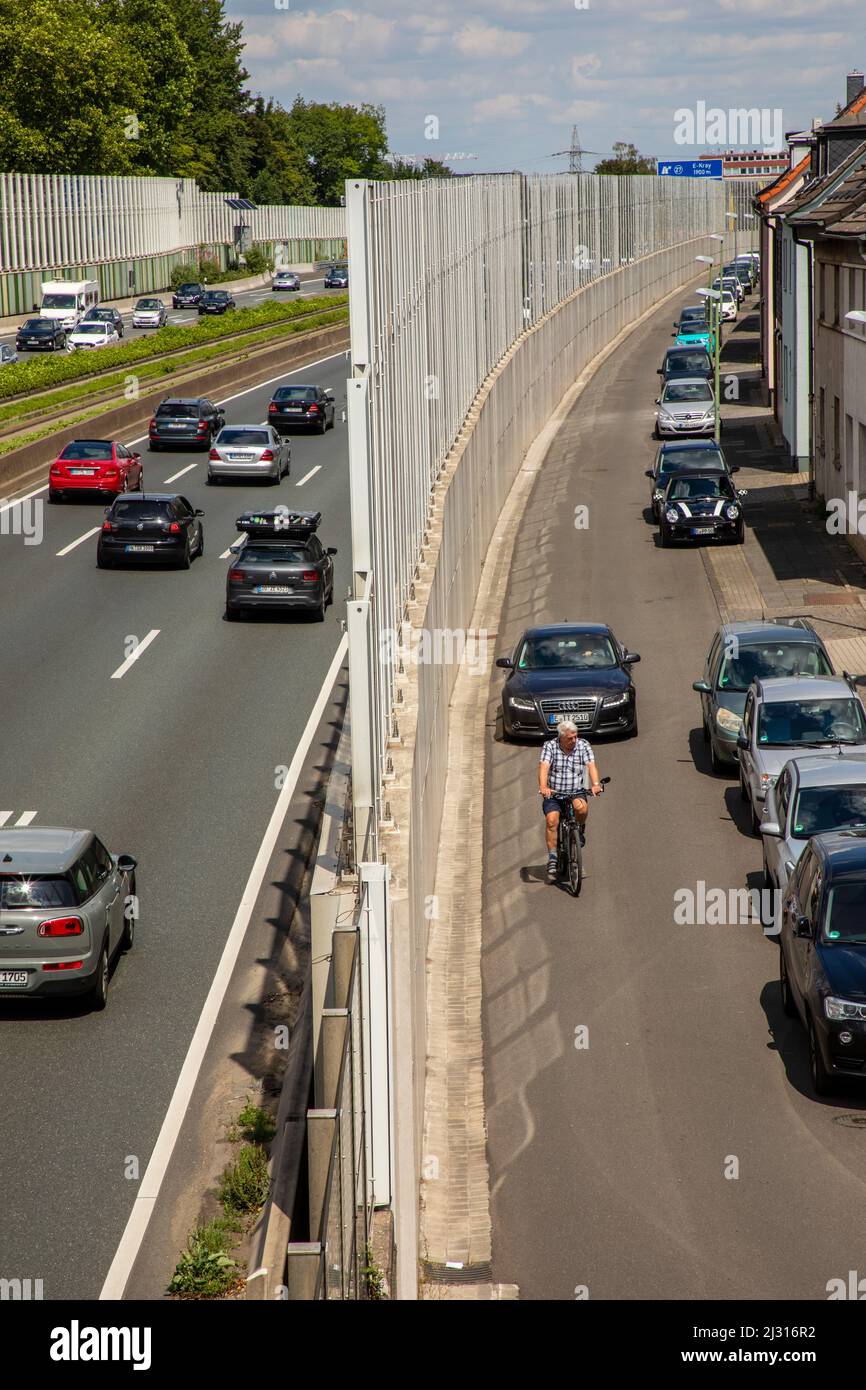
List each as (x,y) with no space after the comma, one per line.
(216,302)
(685,361)
(187,295)
(183,421)
(739,653)
(701,506)
(696,333)
(67,907)
(249,451)
(149,313)
(745,272)
(729,306)
(815,793)
(105,313)
(310,406)
(789,715)
(337,277)
(150,527)
(286,280)
(8,355)
(734,284)
(822,956)
(575,671)
(40,335)
(94,465)
(94,333)
(684,456)
(279,565)
(687,405)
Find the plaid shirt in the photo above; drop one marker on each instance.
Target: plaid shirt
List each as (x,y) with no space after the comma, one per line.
(566,776)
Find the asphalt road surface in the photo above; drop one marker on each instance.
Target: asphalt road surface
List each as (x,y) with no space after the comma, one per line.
(176,762)
(680,1154)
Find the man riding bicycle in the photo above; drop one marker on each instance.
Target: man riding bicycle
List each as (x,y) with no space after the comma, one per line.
(565,764)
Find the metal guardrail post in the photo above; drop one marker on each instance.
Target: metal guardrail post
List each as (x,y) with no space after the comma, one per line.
(303,1266)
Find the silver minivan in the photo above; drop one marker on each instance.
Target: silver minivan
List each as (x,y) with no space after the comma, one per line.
(67,906)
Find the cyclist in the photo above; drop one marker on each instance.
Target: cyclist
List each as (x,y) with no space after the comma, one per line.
(565,763)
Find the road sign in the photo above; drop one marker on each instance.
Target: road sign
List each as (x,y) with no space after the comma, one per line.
(690,168)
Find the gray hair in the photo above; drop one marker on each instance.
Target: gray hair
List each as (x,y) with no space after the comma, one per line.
(567,726)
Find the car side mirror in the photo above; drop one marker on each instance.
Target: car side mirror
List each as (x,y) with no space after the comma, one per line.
(742,492)
(198,512)
(631,658)
(332,550)
(660,371)
(804,928)
(790,866)
(648,473)
(658,400)
(702,687)
(771,828)
(505,662)
(742,740)
(733,467)
(329,393)
(126,864)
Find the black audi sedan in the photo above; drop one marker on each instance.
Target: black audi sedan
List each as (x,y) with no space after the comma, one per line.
(822,961)
(703,505)
(575,671)
(279,564)
(145,527)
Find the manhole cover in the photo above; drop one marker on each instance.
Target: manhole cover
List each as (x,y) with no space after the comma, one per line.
(851,1121)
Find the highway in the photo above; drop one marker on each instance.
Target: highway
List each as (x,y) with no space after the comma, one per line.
(675,1150)
(175,761)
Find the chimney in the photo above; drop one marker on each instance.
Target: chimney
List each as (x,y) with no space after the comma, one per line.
(855,82)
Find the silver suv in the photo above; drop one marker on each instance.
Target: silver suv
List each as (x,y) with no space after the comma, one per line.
(790,715)
(67,906)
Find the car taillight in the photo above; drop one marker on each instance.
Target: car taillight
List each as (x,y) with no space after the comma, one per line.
(310,576)
(202,425)
(214,454)
(236,576)
(63,965)
(61,926)
(312,410)
(152,425)
(267,456)
(110,470)
(106,525)
(175,528)
(272,408)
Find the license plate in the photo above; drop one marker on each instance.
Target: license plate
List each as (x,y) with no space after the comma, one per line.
(13,978)
(82,472)
(702,530)
(293,409)
(175,426)
(240,458)
(272,589)
(130,548)
(580,718)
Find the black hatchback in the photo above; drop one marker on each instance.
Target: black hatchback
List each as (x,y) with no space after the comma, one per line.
(822,962)
(184,422)
(576,671)
(40,335)
(150,527)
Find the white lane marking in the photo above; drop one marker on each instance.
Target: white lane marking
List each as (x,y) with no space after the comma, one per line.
(133,656)
(227,554)
(332,357)
(148,1193)
(4,816)
(94,531)
(18,500)
(307,476)
(26,817)
(174,476)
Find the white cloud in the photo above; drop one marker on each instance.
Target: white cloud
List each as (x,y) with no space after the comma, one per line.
(476,40)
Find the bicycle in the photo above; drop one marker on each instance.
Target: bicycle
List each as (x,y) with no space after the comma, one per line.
(569,855)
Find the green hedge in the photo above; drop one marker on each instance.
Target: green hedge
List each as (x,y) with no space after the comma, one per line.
(41,373)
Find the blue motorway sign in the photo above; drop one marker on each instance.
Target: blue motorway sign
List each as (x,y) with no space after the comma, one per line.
(690,168)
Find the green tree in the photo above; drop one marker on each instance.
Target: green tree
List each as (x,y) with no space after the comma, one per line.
(277,172)
(338,143)
(210,145)
(626,160)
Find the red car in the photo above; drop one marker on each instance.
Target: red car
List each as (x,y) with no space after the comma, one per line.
(103,466)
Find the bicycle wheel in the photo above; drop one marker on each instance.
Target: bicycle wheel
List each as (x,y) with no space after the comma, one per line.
(575,862)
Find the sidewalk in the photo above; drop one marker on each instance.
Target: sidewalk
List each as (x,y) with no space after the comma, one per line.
(789,565)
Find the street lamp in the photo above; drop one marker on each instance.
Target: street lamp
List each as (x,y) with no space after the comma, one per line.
(856,316)
(733,216)
(716,297)
(750,217)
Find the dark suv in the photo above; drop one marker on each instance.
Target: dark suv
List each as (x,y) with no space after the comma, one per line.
(822,962)
(187,296)
(181,422)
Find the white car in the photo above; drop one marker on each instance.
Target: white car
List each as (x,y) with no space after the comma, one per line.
(92,333)
(149,313)
(729,305)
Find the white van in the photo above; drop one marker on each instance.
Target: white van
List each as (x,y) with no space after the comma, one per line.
(68,300)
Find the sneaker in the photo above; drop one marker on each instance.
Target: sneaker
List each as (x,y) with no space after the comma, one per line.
(551,870)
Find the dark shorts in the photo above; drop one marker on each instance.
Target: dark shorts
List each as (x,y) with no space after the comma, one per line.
(555,803)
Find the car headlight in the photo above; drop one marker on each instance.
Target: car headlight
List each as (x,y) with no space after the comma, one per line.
(671,515)
(517,703)
(610,701)
(727,721)
(843,1008)
(767,780)
(658,495)
(732,512)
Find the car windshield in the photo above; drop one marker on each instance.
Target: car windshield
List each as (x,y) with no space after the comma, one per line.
(250,439)
(91,328)
(288,554)
(188,289)
(846,914)
(687,361)
(295,393)
(694,328)
(687,391)
(103,315)
(742,665)
(797,723)
(136,511)
(688,489)
(59,301)
(149,304)
(694,311)
(87,449)
(181,412)
(37,890)
(819,809)
(678,460)
(38,326)
(574,652)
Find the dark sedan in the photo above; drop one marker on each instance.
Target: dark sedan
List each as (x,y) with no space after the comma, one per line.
(280,564)
(573,671)
(684,456)
(184,421)
(822,962)
(685,362)
(150,527)
(215,302)
(310,406)
(699,506)
(336,277)
(187,296)
(105,313)
(40,335)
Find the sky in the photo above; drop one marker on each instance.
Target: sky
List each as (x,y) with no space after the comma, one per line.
(505,80)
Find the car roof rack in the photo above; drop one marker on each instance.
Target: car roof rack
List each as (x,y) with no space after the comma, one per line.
(278,523)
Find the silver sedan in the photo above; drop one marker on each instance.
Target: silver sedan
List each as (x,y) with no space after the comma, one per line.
(814,793)
(249,451)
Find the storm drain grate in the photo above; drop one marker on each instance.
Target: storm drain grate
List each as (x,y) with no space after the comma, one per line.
(462,1274)
(850,1121)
